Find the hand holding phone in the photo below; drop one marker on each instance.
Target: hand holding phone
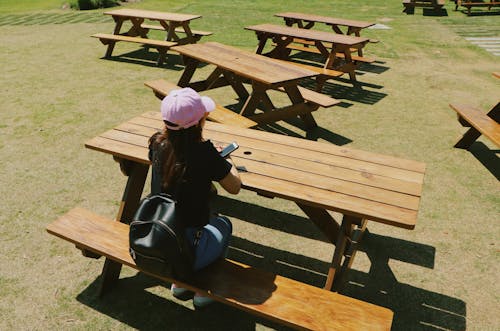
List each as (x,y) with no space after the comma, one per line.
(229,149)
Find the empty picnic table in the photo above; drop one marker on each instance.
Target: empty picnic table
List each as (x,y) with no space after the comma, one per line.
(335,48)
(174,25)
(234,66)
(307,21)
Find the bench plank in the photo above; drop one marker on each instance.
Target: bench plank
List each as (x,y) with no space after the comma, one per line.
(161,45)
(481,124)
(312,49)
(199,33)
(322,100)
(220,114)
(139,40)
(255,291)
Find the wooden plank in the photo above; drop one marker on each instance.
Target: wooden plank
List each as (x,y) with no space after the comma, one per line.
(255,291)
(177,30)
(304,144)
(480,121)
(308,34)
(245,64)
(139,40)
(292,157)
(153,15)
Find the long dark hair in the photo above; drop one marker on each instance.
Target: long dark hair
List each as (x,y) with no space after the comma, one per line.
(176,145)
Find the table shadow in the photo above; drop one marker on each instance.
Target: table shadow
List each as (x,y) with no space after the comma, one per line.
(134,303)
(482,13)
(433,12)
(488,157)
(347,91)
(414,308)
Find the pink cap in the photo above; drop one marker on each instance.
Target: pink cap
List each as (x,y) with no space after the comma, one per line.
(185,108)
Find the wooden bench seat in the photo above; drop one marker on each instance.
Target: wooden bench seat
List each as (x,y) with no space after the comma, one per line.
(279,299)
(161,45)
(478,3)
(317,98)
(355,58)
(196,33)
(223,115)
(481,123)
(324,74)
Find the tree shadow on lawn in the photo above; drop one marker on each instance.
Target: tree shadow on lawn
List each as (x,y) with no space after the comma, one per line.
(414,308)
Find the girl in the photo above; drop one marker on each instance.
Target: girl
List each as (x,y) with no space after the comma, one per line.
(186,168)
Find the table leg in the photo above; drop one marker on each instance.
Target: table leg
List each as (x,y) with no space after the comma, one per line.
(136,29)
(258,94)
(357,33)
(296,98)
(344,235)
(350,253)
(136,173)
(323,220)
(118,27)
(262,38)
(236,84)
(187,75)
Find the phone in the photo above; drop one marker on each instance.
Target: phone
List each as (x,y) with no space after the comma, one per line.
(229,149)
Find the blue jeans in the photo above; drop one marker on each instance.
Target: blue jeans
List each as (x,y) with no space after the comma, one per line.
(213,243)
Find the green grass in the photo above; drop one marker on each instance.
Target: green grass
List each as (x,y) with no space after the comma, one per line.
(57,92)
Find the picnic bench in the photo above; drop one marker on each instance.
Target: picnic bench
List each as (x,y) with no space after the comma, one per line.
(255,291)
(480,123)
(335,48)
(172,23)
(409,5)
(234,66)
(318,177)
(475,3)
(220,114)
(307,21)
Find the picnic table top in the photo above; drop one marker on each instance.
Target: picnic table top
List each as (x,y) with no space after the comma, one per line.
(325,19)
(362,184)
(245,64)
(152,15)
(308,34)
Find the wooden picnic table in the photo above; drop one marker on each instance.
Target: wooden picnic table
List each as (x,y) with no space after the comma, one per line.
(233,66)
(307,21)
(173,24)
(335,48)
(318,177)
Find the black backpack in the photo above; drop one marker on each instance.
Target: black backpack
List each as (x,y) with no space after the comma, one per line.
(157,239)
(157,236)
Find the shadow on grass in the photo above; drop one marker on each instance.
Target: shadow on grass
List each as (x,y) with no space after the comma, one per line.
(132,303)
(414,308)
(489,158)
(484,12)
(433,12)
(310,133)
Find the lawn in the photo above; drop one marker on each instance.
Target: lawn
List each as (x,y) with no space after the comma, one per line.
(58,91)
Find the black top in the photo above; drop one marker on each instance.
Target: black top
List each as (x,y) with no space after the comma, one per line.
(204,165)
